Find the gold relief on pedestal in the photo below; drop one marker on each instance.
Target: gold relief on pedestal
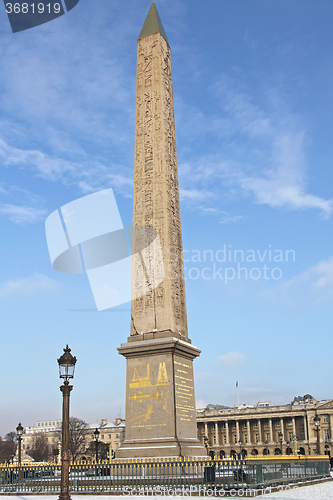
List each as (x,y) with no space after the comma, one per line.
(139,409)
(138,382)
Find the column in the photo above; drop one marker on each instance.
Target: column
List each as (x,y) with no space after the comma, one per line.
(282,428)
(227,432)
(312,434)
(294,426)
(206,429)
(306,436)
(270,431)
(259,432)
(217,433)
(248,431)
(237,431)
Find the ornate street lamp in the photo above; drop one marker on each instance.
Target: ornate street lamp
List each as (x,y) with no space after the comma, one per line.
(206,443)
(96,434)
(19,432)
(240,449)
(66,371)
(281,439)
(316,421)
(295,443)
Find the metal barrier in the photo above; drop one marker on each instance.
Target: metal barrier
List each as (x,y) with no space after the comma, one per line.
(195,475)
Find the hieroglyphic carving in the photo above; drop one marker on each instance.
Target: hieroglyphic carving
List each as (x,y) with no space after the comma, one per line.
(156,192)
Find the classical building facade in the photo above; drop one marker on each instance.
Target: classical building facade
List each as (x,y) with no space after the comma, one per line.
(51,429)
(266,429)
(111,433)
(251,430)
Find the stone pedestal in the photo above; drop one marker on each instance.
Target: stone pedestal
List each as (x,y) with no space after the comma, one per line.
(160,403)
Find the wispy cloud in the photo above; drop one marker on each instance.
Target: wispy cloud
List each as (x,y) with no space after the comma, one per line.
(313,286)
(74,127)
(78,127)
(22,214)
(318,277)
(194,194)
(200,403)
(232,358)
(46,166)
(23,286)
(120,181)
(284,184)
(20,205)
(87,176)
(255,149)
(230,219)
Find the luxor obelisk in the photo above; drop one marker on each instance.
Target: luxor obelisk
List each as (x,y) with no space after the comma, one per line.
(160,402)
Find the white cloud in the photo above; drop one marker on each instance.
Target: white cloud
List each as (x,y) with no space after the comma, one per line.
(69,124)
(230,219)
(33,284)
(313,286)
(200,403)
(232,358)
(22,214)
(194,194)
(47,167)
(284,185)
(86,188)
(87,176)
(119,180)
(319,277)
(256,150)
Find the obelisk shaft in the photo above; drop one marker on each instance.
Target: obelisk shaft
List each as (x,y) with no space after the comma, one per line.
(156,192)
(160,399)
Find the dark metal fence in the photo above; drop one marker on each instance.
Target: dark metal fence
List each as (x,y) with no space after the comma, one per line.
(199,475)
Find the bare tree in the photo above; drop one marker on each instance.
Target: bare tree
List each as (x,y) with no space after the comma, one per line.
(77,437)
(39,448)
(7,450)
(11,436)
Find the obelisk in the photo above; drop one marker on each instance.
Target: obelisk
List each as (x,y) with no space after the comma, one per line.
(160,402)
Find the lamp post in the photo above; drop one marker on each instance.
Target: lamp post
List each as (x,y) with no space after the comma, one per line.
(295,443)
(206,443)
(316,421)
(327,446)
(96,434)
(240,449)
(66,371)
(19,432)
(280,439)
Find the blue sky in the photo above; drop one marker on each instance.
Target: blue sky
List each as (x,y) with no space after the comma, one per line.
(253,99)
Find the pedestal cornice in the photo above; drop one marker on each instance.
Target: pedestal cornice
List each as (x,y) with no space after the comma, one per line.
(159,346)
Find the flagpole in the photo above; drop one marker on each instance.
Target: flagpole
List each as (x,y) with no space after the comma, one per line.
(237,392)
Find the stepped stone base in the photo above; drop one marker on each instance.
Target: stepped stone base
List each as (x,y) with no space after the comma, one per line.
(161,448)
